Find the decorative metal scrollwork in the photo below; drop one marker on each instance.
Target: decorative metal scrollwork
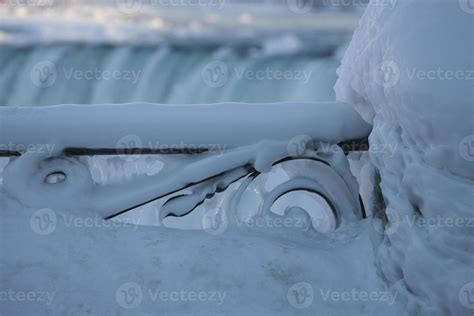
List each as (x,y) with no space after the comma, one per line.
(312,177)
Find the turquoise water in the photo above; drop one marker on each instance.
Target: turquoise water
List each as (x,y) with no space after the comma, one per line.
(95,73)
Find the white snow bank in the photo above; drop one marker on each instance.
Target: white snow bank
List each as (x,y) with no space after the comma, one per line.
(410,72)
(84,265)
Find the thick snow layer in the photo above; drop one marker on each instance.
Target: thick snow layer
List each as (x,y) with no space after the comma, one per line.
(410,72)
(84,265)
(226,126)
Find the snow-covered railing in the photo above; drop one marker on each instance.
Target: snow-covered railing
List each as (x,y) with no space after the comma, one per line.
(222,143)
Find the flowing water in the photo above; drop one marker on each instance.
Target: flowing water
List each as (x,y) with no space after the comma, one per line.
(91,73)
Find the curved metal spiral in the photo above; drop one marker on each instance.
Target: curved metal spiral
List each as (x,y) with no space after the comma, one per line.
(304,184)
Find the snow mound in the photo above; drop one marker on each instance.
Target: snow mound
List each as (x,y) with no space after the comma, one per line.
(410,73)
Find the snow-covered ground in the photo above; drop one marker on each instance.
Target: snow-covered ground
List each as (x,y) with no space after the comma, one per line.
(93,268)
(407,74)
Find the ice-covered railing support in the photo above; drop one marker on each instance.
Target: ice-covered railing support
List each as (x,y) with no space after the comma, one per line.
(222,143)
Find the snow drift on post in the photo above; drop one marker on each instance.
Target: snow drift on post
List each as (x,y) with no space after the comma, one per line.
(409,71)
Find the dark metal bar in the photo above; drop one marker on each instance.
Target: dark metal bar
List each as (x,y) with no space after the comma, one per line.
(347,146)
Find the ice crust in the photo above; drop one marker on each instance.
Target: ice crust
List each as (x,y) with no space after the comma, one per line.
(396,74)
